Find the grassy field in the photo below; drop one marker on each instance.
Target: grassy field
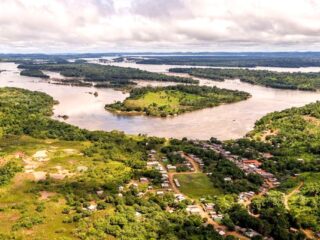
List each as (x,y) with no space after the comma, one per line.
(173,100)
(196,185)
(27,209)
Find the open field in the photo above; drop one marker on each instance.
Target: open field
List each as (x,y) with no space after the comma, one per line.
(196,185)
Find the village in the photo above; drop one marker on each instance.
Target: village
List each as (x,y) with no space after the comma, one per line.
(202,207)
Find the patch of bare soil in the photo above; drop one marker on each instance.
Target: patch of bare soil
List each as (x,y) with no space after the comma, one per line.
(44,195)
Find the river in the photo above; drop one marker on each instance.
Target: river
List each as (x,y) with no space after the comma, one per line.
(224,122)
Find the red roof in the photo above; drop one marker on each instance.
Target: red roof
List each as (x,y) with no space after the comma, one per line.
(254,162)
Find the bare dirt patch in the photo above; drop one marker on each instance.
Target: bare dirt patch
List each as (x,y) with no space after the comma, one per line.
(269,133)
(312,120)
(41,156)
(44,195)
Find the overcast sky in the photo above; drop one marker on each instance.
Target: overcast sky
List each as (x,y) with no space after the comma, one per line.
(158,25)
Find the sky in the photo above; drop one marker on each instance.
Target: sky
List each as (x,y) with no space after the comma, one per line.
(61,26)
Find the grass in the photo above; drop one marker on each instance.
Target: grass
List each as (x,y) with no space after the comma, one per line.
(174,100)
(196,185)
(21,197)
(169,101)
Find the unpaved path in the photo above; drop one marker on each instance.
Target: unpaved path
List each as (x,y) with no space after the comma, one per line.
(287,197)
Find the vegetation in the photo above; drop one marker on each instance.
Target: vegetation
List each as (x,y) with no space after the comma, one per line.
(294,136)
(197,185)
(67,170)
(171,100)
(33,73)
(237,60)
(103,73)
(284,80)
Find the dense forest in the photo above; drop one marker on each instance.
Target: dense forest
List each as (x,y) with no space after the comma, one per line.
(33,73)
(103,73)
(284,80)
(235,61)
(171,100)
(294,136)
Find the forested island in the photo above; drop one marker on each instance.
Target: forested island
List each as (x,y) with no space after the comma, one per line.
(283,80)
(174,100)
(109,76)
(33,73)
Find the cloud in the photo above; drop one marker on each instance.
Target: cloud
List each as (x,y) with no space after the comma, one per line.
(144,25)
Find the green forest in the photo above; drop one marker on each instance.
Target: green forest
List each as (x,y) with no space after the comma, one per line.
(283,80)
(33,73)
(103,73)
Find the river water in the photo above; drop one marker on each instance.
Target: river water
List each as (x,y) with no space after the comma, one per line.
(224,122)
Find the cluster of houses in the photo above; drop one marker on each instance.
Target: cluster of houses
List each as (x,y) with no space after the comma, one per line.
(197,160)
(155,164)
(248,166)
(209,208)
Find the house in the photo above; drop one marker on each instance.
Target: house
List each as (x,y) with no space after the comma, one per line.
(193,209)
(171,167)
(152,163)
(120,188)
(251,233)
(140,194)
(252,162)
(99,193)
(144,180)
(160,192)
(209,207)
(227,179)
(179,197)
(176,182)
(217,217)
(164,185)
(92,207)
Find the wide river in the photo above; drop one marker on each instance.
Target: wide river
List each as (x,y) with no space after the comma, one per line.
(224,122)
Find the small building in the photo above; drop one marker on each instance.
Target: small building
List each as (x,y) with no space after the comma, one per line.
(255,163)
(193,209)
(171,167)
(209,207)
(100,192)
(92,207)
(176,182)
(164,185)
(144,180)
(227,179)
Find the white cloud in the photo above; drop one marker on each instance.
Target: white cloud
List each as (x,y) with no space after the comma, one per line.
(138,25)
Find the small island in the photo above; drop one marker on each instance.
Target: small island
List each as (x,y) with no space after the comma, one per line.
(33,73)
(174,100)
